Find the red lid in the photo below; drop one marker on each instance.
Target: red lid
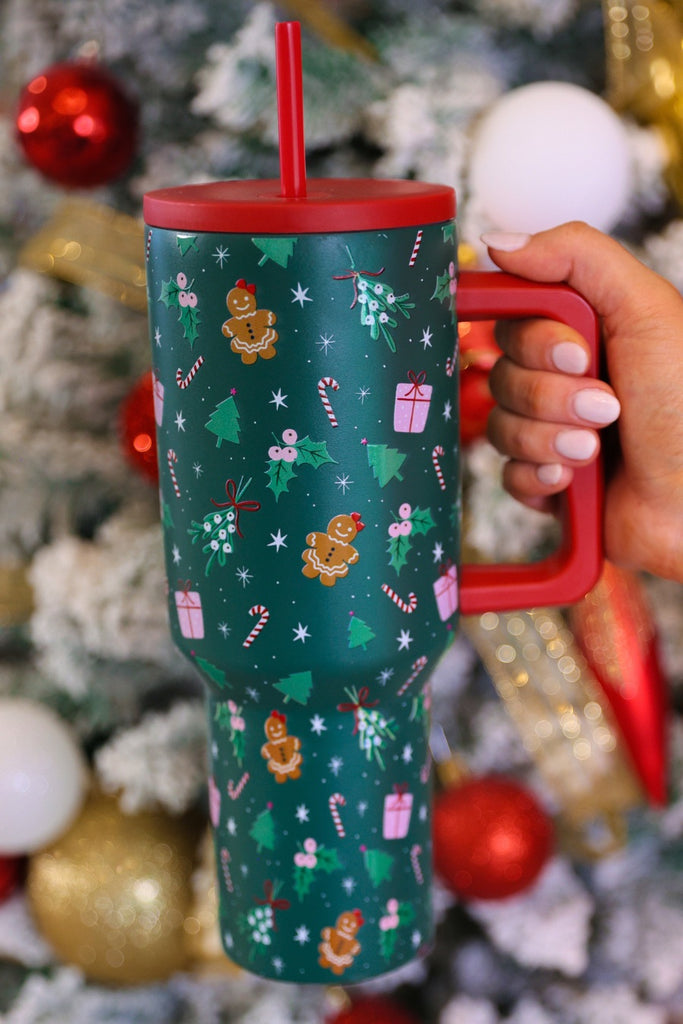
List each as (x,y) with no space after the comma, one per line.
(330,204)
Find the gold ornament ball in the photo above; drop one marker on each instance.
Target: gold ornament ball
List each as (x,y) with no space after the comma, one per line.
(111,896)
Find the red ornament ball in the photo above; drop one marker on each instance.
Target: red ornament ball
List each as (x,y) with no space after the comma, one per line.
(76,125)
(491,838)
(138,431)
(373,1010)
(9,875)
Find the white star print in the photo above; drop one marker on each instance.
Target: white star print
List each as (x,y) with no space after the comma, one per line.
(437,551)
(278,399)
(384,676)
(301,633)
(302,935)
(300,294)
(157,336)
(278,540)
(318,725)
(180,421)
(336,764)
(404,640)
(407,753)
(426,339)
(302,813)
(220,255)
(447,410)
(231,826)
(197,469)
(244,576)
(343,482)
(176,554)
(224,628)
(363,393)
(325,341)
(348,885)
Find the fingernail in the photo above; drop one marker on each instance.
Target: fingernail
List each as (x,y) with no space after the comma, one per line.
(576,444)
(505,241)
(569,357)
(550,473)
(596,406)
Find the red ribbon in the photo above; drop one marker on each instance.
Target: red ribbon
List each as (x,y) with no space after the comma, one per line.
(418,380)
(401,790)
(362,702)
(355,274)
(239,506)
(184,586)
(445,567)
(274,904)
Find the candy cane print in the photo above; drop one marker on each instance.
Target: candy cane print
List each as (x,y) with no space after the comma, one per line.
(234,791)
(415,852)
(416,248)
(408,606)
(336,801)
(262,611)
(225,864)
(417,667)
(172,458)
(323,384)
(438,450)
(183,382)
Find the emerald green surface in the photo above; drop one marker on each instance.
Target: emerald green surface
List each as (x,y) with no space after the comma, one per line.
(309,489)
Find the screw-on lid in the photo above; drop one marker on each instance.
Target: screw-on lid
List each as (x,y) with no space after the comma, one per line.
(331,204)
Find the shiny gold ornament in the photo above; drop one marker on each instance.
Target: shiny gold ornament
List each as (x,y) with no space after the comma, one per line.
(95,246)
(113,893)
(16,595)
(554,700)
(644,66)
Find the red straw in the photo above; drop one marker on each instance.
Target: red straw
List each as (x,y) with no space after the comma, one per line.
(290,109)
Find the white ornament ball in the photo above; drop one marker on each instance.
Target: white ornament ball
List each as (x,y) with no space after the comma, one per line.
(548,153)
(43,776)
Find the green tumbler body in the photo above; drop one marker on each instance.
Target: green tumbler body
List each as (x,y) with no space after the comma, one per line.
(306,407)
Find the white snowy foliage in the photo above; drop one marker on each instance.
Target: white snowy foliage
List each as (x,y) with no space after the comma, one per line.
(160,762)
(610,1004)
(465,1010)
(542,17)
(19,939)
(547,926)
(664,252)
(101,599)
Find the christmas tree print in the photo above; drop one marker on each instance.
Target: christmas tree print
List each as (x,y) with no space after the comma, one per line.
(263,830)
(296,687)
(360,633)
(377,302)
(178,294)
(229,717)
(378,864)
(385,463)
(224,421)
(212,672)
(284,458)
(408,524)
(370,725)
(398,915)
(310,860)
(219,528)
(186,243)
(276,248)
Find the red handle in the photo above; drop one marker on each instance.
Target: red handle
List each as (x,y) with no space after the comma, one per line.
(571,571)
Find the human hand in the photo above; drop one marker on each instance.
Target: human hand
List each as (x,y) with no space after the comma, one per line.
(549,412)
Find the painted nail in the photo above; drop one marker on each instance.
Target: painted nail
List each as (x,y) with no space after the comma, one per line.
(576,444)
(505,241)
(549,473)
(596,406)
(569,357)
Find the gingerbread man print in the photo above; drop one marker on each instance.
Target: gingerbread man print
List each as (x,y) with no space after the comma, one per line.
(330,554)
(282,750)
(251,329)
(339,945)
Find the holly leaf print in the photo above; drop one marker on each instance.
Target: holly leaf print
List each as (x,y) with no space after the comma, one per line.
(189,318)
(442,288)
(422,520)
(313,453)
(303,880)
(398,549)
(169,293)
(328,860)
(279,475)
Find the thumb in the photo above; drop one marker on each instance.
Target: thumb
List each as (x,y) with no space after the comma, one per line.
(616,284)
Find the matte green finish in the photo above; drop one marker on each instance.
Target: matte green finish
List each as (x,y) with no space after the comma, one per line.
(311,541)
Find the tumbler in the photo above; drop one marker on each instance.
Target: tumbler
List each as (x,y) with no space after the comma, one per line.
(305,360)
